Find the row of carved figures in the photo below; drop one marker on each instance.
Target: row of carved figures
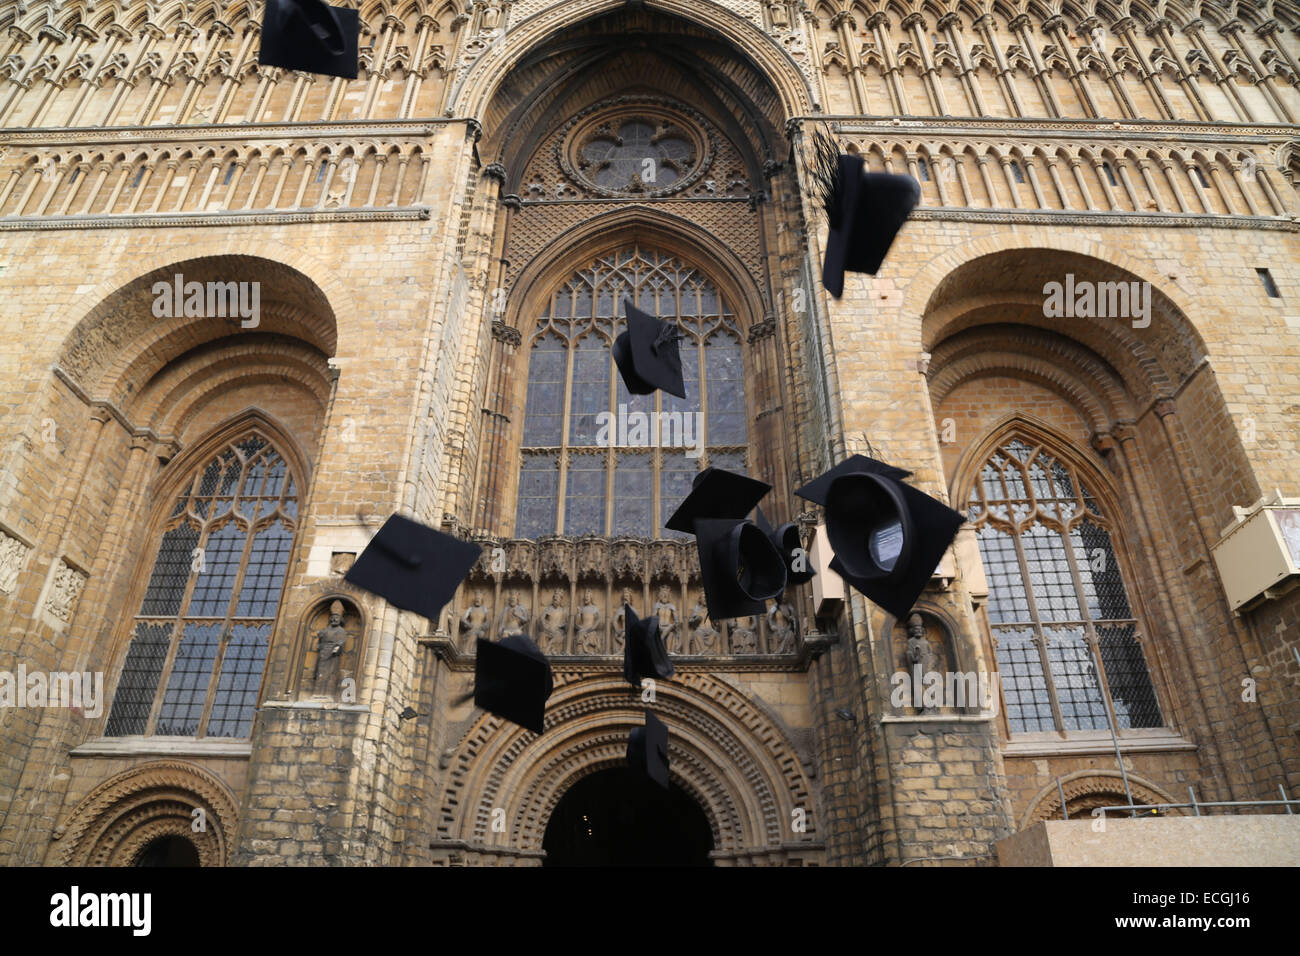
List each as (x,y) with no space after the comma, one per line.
(584,625)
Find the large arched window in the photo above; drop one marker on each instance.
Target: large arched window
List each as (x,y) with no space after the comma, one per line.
(194,665)
(584,472)
(1056,597)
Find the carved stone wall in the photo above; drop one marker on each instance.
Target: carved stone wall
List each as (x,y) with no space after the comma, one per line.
(571,591)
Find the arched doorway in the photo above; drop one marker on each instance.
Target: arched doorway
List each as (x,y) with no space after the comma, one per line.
(169,850)
(612,819)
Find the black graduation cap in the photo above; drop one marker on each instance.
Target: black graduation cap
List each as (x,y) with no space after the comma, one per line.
(716,493)
(412,566)
(888,537)
(647,751)
(311,36)
(740,567)
(644,653)
(512,679)
(786,539)
(866,211)
(647,354)
(815,490)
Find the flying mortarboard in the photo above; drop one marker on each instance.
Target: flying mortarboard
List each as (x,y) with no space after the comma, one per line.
(888,537)
(648,356)
(716,493)
(866,211)
(512,679)
(311,36)
(740,568)
(412,566)
(786,540)
(647,751)
(644,653)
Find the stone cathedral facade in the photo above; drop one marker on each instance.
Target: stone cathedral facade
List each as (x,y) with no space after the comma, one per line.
(408,285)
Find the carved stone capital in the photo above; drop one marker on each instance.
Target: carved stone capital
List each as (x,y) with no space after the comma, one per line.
(948,21)
(877,19)
(495,171)
(1164,407)
(1022,22)
(473,128)
(50,32)
(1124,431)
(762,330)
(1104,442)
(913,20)
(505,334)
(512,201)
(1052,24)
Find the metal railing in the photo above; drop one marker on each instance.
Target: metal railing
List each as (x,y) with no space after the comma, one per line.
(1195,804)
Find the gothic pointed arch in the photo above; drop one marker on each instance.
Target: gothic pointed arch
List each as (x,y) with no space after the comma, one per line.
(203,604)
(1050,532)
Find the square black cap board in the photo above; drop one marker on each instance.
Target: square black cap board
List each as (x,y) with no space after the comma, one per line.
(647,750)
(412,566)
(934,525)
(716,493)
(815,491)
(869,211)
(512,679)
(311,36)
(648,355)
(644,653)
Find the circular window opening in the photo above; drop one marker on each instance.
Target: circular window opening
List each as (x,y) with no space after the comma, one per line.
(636,156)
(641,148)
(168,851)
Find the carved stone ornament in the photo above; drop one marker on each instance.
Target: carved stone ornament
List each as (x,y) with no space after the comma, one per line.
(12,554)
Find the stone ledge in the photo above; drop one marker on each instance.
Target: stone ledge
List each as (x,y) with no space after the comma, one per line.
(1102,743)
(162,747)
(1243,840)
(268,217)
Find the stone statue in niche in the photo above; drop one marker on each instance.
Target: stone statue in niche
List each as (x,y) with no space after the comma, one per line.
(514,617)
(555,622)
(330,643)
(920,653)
(744,635)
(589,621)
(666,611)
(781,621)
(474,622)
(620,622)
(702,635)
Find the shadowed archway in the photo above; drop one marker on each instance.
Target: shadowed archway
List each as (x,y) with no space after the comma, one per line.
(609,818)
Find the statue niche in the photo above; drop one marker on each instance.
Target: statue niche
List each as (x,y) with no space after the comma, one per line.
(333,638)
(922,647)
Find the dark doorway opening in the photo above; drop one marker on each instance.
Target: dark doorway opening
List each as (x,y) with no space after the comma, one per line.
(612,819)
(168,851)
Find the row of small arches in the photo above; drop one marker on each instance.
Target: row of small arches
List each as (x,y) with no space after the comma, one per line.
(211,180)
(1132,179)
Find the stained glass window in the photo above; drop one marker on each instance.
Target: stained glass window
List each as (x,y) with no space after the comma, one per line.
(1057,601)
(194,665)
(596,459)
